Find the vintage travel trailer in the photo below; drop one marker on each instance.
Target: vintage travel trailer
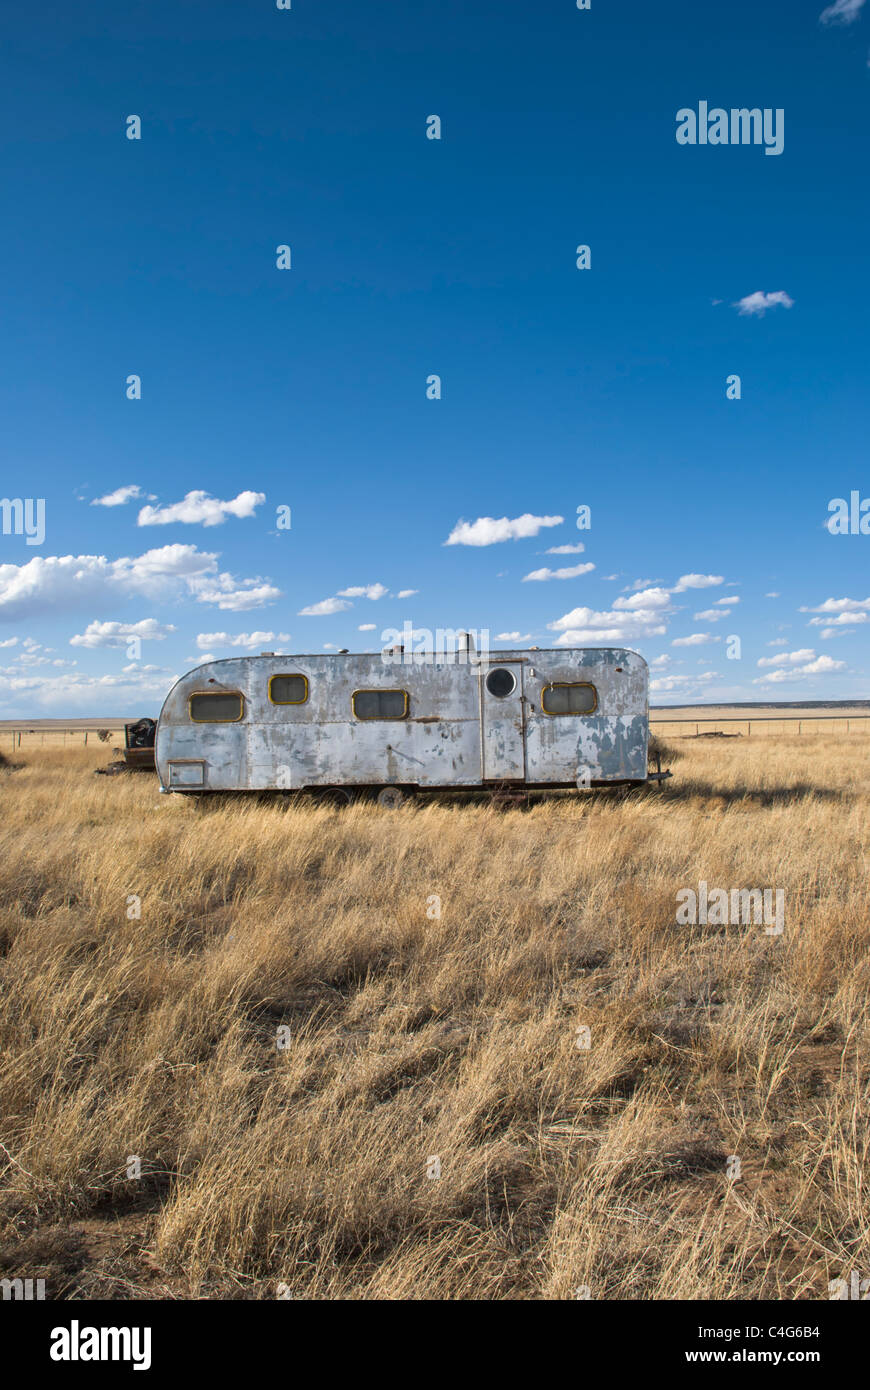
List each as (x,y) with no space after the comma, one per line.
(396,723)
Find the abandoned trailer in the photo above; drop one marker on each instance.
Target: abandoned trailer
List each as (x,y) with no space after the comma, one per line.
(394,724)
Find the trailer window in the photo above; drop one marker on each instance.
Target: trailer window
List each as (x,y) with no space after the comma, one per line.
(216,707)
(288,690)
(565,697)
(380,704)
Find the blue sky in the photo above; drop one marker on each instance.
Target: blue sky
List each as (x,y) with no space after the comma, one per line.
(413,257)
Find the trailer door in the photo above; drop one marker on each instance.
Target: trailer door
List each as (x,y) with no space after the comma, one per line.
(502,722)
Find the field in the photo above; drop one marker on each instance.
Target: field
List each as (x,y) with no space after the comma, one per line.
(287,1014)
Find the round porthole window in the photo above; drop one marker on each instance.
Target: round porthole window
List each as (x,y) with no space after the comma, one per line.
(501,682)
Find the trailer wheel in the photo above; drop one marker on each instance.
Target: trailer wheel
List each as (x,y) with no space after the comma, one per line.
(333,796)
(391,798)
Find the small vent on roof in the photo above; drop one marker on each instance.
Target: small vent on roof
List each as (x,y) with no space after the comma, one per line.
(267,653)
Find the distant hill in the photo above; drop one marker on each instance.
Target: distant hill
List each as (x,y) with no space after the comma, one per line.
(770,704)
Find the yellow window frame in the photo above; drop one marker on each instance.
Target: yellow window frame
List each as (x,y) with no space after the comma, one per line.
(288,675)
(194,693)
(569,713)
(380,690)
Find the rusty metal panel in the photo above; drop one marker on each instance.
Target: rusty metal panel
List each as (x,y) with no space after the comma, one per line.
(456,733)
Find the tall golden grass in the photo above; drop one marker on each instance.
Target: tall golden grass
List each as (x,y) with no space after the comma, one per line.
(301,1170)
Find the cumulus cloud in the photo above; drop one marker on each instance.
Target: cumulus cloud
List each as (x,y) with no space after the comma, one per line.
(695,639)
(757,304)
(644,599)
(240,639)
(842,12)
(488,530)
(773,594)
(373,591)
(841,605)
(712,615)
(697,581)
(685,684)
(200,509)
(60,582)
(838,616)
(571,572)
(789,666)
(366,627)
(407,593)
(134,691)
(634,615)
(119,496)
(117,634)
(566,549)
(512,636)
(325,607)
(586,626)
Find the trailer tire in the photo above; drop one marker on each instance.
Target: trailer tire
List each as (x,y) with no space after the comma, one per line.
(334,796)
(391,798)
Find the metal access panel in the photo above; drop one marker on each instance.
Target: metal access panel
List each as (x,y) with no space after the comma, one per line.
(502,722)
(187,772)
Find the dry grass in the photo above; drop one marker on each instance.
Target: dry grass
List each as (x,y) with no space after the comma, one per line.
(413,1036)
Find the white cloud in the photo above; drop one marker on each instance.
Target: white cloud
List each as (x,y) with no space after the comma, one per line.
(793,665)
(773,594)
(571,572)
(366,627)
(488,530)
(697,581)
(788,658)
(512,636)
(373,591)
(696,639)
(9,642)
(69,581)
(757,304)
(586,627)
(233,600)
(566,549)
(841,605)
(407,593)
(660,662)
(682,683)
(778,642)
(820,665)
(712,615)
(646,598)
(119,496)
(842,12)
(125,694)
(240,639)
(200,509)
(116,634)
(324,608)
(735,598)
(639,584)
